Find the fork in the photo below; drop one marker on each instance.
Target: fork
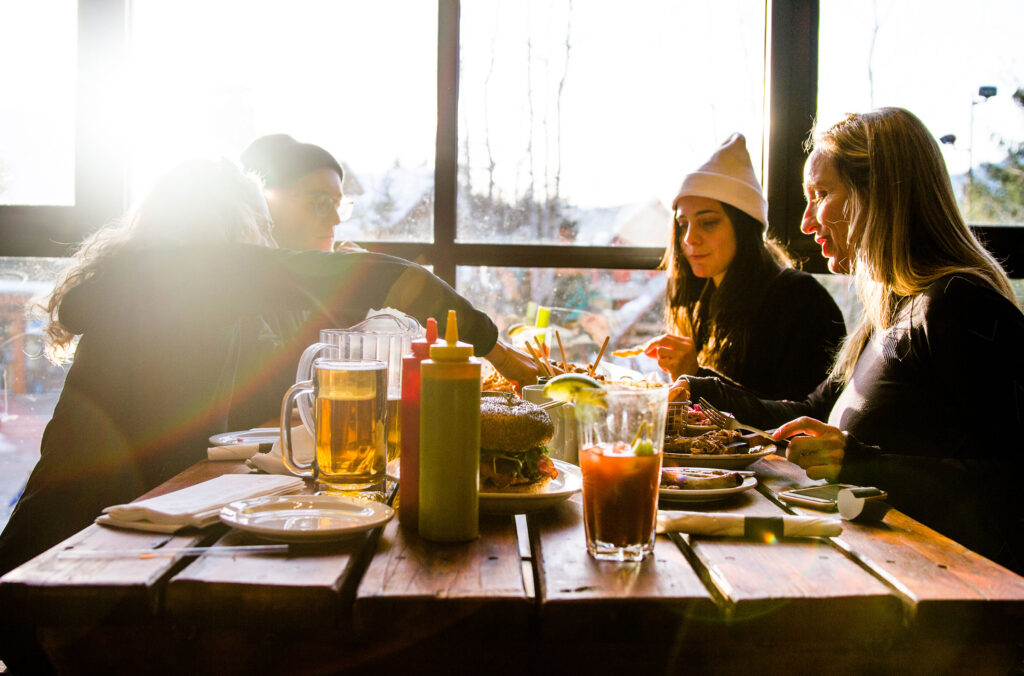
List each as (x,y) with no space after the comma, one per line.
(727,422)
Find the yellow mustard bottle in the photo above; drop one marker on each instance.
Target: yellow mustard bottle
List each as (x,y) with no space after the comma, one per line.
(449,440)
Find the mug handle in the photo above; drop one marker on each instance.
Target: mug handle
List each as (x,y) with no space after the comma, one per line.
(304,373)
(298,389)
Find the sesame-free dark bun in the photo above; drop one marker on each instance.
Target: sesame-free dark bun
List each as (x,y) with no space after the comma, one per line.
(511,424)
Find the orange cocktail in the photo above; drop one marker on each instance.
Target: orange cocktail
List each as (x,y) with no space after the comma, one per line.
(621,438)
(620,497)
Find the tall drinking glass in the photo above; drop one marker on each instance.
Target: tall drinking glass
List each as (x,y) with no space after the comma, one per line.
(620,456)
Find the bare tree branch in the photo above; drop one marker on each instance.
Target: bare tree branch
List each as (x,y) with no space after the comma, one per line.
(558,105)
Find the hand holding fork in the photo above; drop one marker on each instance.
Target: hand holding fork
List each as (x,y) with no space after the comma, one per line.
(727,422)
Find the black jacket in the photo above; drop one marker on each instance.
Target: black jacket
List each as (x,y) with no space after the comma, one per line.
(934,413)
(157,364)
(792,335)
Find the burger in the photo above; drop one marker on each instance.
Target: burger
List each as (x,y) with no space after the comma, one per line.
(513,455)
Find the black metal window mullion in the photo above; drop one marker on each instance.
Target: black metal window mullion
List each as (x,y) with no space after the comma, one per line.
(442,253)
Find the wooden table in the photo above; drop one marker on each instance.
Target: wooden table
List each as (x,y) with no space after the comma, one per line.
(526,597)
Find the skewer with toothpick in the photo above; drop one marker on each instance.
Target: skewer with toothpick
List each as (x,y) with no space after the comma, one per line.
(533,353)
(561,351)
(600,354)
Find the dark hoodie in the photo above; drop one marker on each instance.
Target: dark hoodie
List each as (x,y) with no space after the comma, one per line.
(156,365)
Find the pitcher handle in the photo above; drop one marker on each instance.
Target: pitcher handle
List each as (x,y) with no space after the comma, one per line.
(305,372)
(287,457)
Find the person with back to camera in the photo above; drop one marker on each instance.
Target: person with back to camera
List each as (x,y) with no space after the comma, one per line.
(158,301)
(734,305)
(926,397)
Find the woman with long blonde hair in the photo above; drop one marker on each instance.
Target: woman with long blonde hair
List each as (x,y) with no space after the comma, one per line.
(926,398)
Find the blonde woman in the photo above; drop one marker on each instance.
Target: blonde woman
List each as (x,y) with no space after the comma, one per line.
(159,302)
(926,397)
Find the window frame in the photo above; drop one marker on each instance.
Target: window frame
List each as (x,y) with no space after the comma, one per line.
(791,101)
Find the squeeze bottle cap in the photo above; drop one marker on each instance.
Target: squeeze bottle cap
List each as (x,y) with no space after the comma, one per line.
(421,346)
(451,349)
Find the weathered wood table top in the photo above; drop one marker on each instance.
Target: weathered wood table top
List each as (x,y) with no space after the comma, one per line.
(526,596)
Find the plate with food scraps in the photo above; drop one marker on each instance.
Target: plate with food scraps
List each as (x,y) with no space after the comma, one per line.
(306,518)
(568,482)
(702,484)
(722,461)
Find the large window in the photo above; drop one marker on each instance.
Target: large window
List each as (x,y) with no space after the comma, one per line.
(577,120)
(37,103)
(958,66)
(358,78)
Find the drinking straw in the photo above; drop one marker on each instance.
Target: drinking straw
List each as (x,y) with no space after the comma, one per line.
(599,355)
(561,350)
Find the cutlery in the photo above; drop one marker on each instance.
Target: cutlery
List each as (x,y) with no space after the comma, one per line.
(727,422)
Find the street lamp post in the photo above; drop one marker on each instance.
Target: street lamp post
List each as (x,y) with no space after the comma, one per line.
(985,93)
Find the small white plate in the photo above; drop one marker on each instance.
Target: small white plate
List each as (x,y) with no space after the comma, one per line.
(681,495)
(306,518)
(568,482)
(258,435)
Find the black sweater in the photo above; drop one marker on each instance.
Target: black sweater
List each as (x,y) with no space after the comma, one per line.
(934,413)
(793,336)
(159,331)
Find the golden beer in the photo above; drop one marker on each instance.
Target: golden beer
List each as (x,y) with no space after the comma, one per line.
(394,429)
(351,425)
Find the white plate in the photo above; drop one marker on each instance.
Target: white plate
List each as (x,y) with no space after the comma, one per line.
(258,435)
(726,461)
(306,518)
(568,482)
(680,495)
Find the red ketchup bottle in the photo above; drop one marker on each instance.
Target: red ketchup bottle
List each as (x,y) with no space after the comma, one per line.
(409,459)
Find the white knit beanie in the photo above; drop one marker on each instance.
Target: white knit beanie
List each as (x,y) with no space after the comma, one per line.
(729,177)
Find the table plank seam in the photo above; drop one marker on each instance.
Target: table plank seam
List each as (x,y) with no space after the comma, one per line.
(906,598)
(725,606)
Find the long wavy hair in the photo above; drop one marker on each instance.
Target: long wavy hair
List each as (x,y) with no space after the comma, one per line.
(906,231)
(199,201)
(718,318)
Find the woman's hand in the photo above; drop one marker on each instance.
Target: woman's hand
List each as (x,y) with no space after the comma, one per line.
(675,354)
(820,452)
(679,390)
(513,364)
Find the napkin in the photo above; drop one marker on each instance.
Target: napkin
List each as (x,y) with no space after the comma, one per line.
(863,503)
(236,451)
(718,523)
(196,506)
(302,450)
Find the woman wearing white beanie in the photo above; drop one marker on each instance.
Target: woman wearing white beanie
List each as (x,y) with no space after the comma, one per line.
(735,307)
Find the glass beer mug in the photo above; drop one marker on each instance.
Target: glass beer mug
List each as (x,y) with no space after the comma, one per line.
(349,426)
(384,337)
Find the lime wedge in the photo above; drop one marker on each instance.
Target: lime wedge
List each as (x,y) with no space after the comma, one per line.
(576,388)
